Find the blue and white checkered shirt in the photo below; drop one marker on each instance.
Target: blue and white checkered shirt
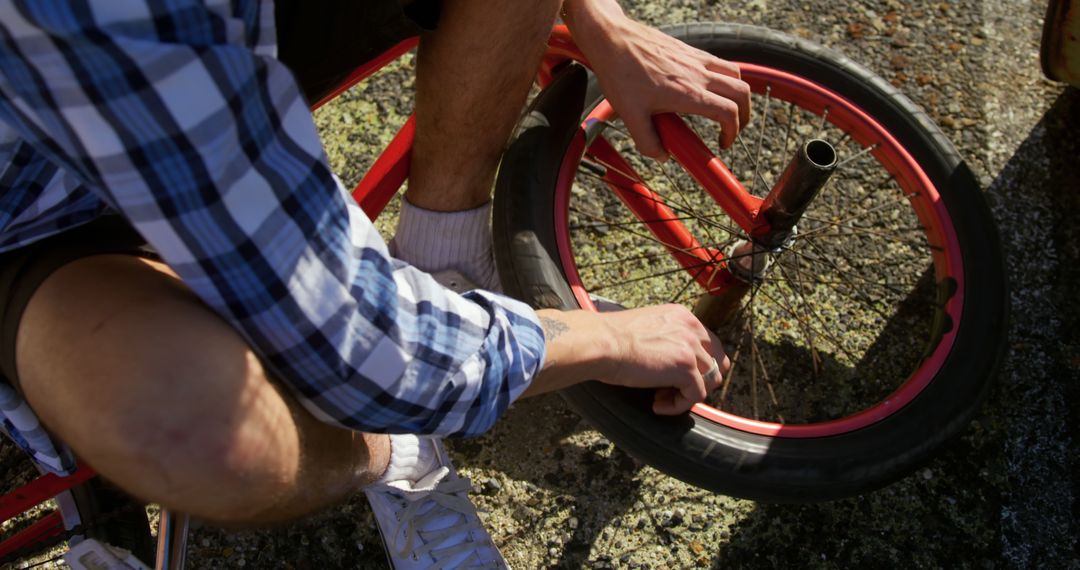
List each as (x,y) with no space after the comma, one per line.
(177,115)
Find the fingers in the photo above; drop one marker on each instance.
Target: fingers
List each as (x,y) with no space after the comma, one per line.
(734,90)
(670,402)
(716,347)
(721,66)
(713,366)
(707,376)
(645,137)
(726,101)
(713,377)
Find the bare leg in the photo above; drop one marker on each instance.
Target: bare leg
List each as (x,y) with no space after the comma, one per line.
(161,396)
(473,75)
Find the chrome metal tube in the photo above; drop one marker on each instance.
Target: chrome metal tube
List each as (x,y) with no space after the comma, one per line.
(172,540)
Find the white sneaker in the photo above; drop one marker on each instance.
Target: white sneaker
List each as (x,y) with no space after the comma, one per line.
(431,523)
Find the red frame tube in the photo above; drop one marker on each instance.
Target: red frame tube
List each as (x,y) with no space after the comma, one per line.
(47,527)
(40,490)
(710,172)
(29,496)
(389,172)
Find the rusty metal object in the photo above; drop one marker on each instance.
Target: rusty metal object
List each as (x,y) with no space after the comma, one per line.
(805,176)
(810,168)
(1060,53)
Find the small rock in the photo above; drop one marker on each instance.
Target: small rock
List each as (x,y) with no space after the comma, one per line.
(673,518)
(572,523)
(521,513)
(492,486)
(927,474)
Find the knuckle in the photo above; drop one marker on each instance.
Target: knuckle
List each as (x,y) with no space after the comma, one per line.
(742,89)
(730,108)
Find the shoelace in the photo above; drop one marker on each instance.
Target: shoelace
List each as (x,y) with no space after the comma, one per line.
(445,495)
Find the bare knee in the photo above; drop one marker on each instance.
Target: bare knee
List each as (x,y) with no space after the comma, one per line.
(156,391)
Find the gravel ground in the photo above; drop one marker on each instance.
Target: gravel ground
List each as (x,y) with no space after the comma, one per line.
(557,494)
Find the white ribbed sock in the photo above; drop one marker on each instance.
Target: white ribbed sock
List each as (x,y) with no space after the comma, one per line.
(411,458)
(435,241)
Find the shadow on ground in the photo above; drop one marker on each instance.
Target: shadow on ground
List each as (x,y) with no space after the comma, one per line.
(1003,494)
(1006,488)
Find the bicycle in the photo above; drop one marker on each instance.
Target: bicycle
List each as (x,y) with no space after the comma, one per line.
(876,199)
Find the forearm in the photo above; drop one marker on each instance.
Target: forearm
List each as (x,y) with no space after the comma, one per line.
(579,346)
(663,347)
(591,20)
(575,12)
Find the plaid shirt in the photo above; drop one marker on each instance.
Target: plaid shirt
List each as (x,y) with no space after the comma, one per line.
(177,114)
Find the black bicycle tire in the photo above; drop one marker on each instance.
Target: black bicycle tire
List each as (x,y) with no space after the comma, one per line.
(708,454)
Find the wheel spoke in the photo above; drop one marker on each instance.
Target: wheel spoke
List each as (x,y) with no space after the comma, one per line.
(803,321)
(855,156)
(704,220)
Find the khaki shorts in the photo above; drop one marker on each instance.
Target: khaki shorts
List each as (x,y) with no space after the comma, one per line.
(23,270)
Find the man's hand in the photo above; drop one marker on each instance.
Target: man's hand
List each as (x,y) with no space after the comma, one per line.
(662,347)
(644,72)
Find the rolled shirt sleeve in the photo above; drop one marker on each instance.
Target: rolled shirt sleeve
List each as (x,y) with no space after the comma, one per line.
(182,120)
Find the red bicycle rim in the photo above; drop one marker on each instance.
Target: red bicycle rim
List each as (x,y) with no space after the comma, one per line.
(930,211)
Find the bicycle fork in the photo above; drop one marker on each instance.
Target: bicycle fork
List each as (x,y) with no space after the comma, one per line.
(748,260)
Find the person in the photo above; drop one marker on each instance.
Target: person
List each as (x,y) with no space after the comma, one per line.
(194,305)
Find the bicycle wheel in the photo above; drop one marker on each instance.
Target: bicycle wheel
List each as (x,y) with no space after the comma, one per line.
(866,344)
(93,509)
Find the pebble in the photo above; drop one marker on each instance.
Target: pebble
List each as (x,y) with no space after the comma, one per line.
(492,486)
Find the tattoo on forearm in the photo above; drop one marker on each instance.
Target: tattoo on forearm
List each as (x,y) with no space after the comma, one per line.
(552,328)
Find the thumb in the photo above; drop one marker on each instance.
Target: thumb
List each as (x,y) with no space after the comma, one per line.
(670,402)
